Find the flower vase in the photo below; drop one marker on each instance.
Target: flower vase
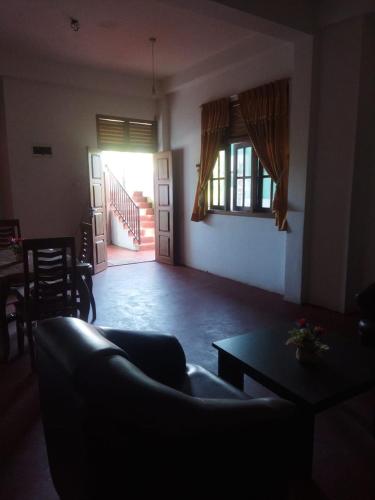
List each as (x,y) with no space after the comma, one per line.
(306,356)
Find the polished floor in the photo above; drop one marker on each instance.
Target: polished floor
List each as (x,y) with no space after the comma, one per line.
(198,308)
(118,256)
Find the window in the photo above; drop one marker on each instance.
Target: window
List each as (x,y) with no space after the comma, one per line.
(239,183)
(126,134)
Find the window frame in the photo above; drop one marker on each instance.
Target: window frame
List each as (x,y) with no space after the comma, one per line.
(129,135)
(230,207)
(219,179)
(233,181)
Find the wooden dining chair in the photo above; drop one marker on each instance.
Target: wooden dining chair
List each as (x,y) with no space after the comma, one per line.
(50,285)
(9,228)
(86,258)
(85,251)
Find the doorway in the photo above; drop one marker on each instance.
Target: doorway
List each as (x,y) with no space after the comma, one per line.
(129,179)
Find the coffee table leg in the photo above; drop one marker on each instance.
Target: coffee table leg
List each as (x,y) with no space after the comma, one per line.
(307,444)
(229,370)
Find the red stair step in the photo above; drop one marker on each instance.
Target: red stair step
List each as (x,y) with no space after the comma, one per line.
(144,204)
(146,211)
(147,239)
(146,217)
(147,223)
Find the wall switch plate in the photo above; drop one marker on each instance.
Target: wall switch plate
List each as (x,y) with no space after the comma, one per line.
(42,150)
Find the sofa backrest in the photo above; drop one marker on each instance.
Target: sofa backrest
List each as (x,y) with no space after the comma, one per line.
(100,410)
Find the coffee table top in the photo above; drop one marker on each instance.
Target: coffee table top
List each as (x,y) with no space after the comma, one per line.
(344,371)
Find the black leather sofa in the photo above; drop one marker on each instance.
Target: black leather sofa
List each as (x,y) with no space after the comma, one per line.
(126,418)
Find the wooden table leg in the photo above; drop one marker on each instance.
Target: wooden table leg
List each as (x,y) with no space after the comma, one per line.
(229,370)
(306,444)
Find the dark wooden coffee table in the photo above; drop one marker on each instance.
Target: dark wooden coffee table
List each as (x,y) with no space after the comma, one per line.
(346,370)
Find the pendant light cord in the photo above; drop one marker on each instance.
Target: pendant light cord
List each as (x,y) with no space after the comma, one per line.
(153,40)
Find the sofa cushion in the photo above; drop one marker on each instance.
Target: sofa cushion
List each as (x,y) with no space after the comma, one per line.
(201,383)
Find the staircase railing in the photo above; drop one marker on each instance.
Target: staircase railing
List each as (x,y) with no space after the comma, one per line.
(124,206)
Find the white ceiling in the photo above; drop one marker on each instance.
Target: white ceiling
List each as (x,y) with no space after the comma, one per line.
(114,34)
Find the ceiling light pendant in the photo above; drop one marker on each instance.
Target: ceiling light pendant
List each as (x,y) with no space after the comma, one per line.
(152,40)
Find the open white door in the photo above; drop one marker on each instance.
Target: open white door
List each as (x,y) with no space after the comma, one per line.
(97,211)
(163,189)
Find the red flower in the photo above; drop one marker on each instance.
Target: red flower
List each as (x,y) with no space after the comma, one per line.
(301,322)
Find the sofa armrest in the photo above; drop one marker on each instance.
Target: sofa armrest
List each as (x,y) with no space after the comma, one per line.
(222,437)
(160,356)
(157,407)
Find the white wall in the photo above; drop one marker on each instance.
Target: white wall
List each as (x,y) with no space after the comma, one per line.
(247,249)
(50,195)
(339,54)
(119,233)
(6,209)
(361,262)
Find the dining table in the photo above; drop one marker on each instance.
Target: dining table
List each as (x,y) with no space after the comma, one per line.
(12,276)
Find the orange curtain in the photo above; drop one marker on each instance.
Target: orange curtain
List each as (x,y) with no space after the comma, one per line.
(265,110)
(215,120)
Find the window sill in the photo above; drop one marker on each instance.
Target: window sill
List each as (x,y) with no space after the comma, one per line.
(262,215)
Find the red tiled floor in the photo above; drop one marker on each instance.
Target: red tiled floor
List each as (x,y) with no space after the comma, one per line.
(118,256)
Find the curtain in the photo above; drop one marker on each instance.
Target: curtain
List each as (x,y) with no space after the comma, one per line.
(215,121)
(265,110)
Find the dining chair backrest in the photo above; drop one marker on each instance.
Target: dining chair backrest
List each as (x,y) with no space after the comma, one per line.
(50,276)
(9,228)
(85,251)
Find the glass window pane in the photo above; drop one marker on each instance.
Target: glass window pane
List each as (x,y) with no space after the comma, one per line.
(240,162)
(231,158)
(215,173)
(215,195)
(248,162)
(232,202)
(247,193)
(266,194)
(232,174)
(222,192)
(239,192)
(222,163)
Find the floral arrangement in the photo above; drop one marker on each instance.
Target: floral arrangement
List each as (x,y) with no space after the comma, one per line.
(308,337)
(16,245)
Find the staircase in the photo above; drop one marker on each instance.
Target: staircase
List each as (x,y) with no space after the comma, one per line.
(133,223)
(146,222)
